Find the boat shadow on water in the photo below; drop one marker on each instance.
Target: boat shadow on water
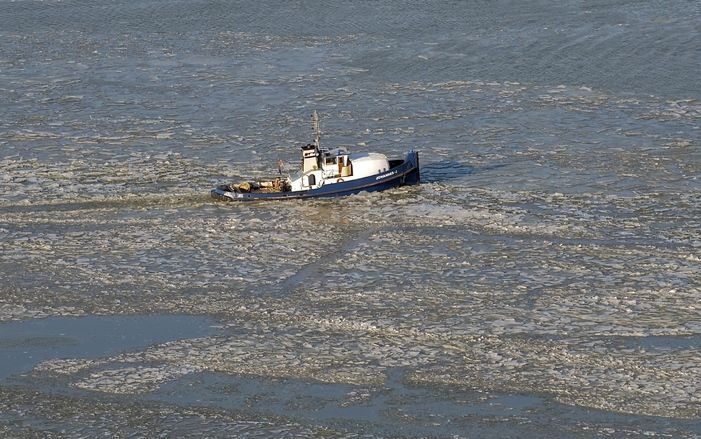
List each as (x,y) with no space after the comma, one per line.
(444,170)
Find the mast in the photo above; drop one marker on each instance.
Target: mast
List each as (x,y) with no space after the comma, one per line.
(316,129)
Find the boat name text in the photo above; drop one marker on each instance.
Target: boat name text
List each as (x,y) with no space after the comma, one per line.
(389,174)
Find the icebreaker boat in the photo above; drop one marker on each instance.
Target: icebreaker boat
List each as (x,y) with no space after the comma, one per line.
(328,173)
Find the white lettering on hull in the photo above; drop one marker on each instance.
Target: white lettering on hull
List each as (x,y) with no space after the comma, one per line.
(389,174)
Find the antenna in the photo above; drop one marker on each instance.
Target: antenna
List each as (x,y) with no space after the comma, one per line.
(315,128)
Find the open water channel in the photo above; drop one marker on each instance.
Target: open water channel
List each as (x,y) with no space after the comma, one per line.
(543,281)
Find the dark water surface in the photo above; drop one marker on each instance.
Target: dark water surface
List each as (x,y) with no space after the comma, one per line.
(24,344)
(547,272)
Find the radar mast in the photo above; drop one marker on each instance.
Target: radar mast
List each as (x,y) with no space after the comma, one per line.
(316,129)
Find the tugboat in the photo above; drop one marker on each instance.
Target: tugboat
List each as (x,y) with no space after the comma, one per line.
(328,173)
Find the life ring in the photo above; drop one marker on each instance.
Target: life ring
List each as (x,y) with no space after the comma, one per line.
(340,180)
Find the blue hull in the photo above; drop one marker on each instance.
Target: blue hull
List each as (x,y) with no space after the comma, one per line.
(401,173)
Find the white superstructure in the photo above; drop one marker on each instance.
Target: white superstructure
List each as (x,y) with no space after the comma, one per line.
(322,166)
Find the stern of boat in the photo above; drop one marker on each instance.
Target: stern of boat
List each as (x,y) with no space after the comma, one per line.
(223,193)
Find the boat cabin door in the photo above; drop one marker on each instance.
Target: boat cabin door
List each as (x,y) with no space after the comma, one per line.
(310,181)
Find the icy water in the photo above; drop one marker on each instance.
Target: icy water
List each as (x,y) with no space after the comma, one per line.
(543,281)
(25,344)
